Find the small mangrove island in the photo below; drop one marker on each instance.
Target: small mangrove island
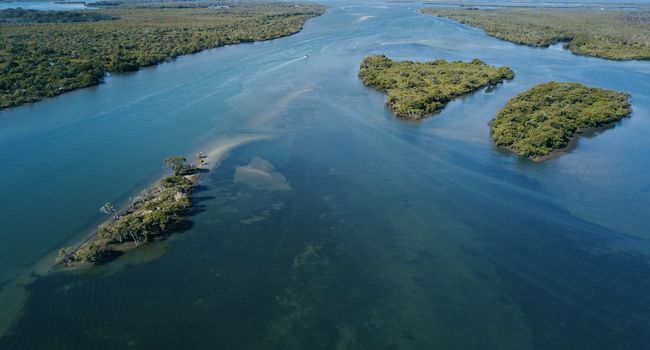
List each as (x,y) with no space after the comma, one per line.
(416,89)
(545,118)
(158,211)
(605,33)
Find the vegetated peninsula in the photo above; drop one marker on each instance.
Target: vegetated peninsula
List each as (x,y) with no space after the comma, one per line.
(545,118)
(611,34)
(416,90)
(158,211)
(44,54)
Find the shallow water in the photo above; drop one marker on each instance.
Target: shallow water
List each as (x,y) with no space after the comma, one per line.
(369,232)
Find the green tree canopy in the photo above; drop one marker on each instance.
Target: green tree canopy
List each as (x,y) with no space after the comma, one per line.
(416,89)
(89,252)
(544,118)
(176,164)
(40,60)
(606,33)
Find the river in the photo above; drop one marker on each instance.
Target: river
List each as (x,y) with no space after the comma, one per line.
(328,223)
(45,5)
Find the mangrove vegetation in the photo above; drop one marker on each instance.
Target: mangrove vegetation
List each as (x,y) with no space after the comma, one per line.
(21,16)
(546,117)
(417,89)
(74,50)
(611,34)
(157,211)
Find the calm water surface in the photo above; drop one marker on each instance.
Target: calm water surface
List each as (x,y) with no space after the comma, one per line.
(366,233)
(43,5)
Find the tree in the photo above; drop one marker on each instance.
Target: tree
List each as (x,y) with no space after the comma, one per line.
(109,209)
(110,233)
(89,252)
(178,183)
(176,164)
(156,221)
(130,226)
(65,256)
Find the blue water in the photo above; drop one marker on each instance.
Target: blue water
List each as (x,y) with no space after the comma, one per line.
(42,5)
(386,234)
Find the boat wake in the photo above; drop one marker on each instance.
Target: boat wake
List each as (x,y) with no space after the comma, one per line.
(284,64)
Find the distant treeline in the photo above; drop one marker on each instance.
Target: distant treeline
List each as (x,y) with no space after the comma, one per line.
(46,59)
(222,4)
(617,35)
(160,4)
(22,16)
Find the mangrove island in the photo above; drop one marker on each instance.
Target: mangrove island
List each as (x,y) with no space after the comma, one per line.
(157,211)
(416,89)
(546,117)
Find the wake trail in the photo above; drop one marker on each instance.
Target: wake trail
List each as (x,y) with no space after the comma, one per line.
(294,60)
